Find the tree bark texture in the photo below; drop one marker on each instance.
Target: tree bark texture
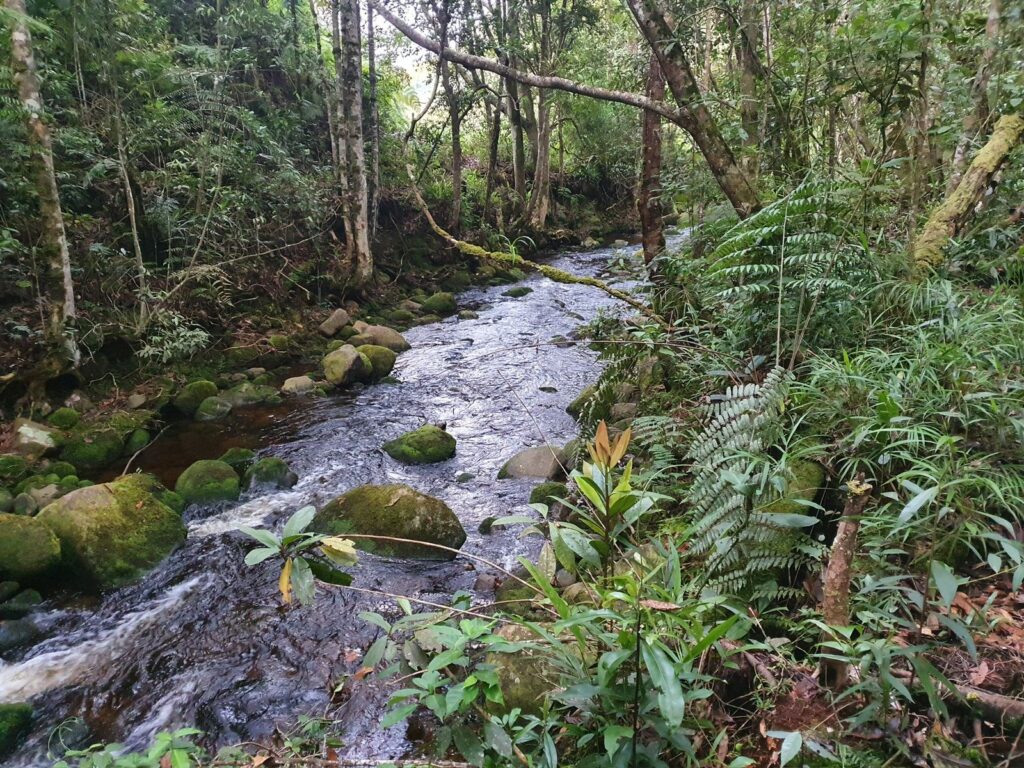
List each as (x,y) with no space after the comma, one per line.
(373,192)
(352,102)
(648,200)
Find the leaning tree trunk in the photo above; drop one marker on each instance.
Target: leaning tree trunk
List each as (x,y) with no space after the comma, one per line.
(954,212)
(648,200)
(355,166)
(129,198)
(59,286)
(451,96)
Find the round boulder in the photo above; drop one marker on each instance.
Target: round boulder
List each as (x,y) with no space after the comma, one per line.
(269,473)
(381,336)
(345,365)
(93,450)
(427,445)
(544,462)
(208,481)
(381,359)
(440,304)
(213,409)
(27,547)
(191,395)
(393,510)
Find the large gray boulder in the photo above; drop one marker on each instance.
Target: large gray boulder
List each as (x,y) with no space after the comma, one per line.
(345,365)
(339,319)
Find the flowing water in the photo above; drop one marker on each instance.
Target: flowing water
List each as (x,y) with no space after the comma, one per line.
(203,641)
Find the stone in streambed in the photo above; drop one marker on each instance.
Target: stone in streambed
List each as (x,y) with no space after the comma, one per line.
(380,335)
(518,292)
(441,304)
(239,459)
(136,441)
(544,462)
(213,409)
(248,393)
(382,360)
(15,724)
(339,319)
(21,605)
(64,418)
(112,534)
(393,510)
(17,632)
(193,394)
(346,365)
(93,449)
(468,314)
(548,493)
(427,445)
(297,385)
(28,548)
(208,481)
(269,473)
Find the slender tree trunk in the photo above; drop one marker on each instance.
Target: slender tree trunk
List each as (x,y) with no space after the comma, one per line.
(455,118)
(648,201)
(326,90)
(374,180)
(492,151)
(515,117)
(750,107)
(59,289)
(341,124)
(129,197)
(540,195)
(352,92)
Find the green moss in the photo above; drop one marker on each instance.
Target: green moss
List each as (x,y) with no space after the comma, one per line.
(212,409)
(401,316)
(807,479)
(335,344)
(393,510)
(279,342)
(60,468)
(193,394)
(347,332)
(64,418)
(440,303)
(547,493)
(15,723)
(136,441)
(382,360)
(270,472)
(208,481)
(12,468)
(68,484)
(239,459)
(112,534)
(6,500)
(93,450)
(426,445)
(248,393)
(27,547)
(518,292)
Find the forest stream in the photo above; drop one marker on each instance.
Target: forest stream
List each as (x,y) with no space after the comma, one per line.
(203,640)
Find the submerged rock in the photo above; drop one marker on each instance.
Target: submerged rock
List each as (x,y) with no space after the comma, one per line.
(208,481)
(248,393)
(269,473)
(544,462)
(427,445)
(28,548)
(213,409)
(345,365)
(112,534)
(381,359)
(193,394)
(393,510)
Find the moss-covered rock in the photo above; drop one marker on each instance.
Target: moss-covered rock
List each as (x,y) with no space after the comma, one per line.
(427,445)
(468,314)
(93,449)
(805,483)
(382,360)
(24,504)
(239,459)
(279,342)
(269,473)
(518,292)
(192,394)
(248,393)
(136,441)
(547,493)
(28,548)
(208,481)
(213,409)
(64,418)
(393,510)
(111,534)
(441,303)
(401,316)
(6,500)
(576,407)
(13,468)
(15,724)
(60,468)
(346,365)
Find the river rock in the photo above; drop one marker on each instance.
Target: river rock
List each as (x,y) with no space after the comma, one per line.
(248,393)
(544,462)
(381,359)
(339,319)
(64,418)
(468,314)
(427,445)
(112,534)
(410,306)
(269,473)
(518,292)
(28,548)
(34,439)
(17,632)
(345,365)
(297,385)
(441,304)
(213,409)
(93,449)
(548,493)
(136,441)
(393,510)
(24,504)
(208,481)
(193,394)
(21,605)
(381,336)
(15,724)
(239,459)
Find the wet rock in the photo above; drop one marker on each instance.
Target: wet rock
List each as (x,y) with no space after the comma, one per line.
(577,406)
(518,292)
(393,510)
(382,360)
(34,439)
(468,314)
(64,418)
(137,440)
(15,724)
(548,493)
(381,336)
(297,385)
(17,632)
(213,409)
(12,468)
(24,504)
(192,394)
(464,477)
(345,365)
(208,481)
(28,548)
(112,534)
(427,445)
(239,459)
(90,449)
(248,393)
(339,319)
(6,500)
(269,473)
(562,342)
(441,304)
(21,605)
(543,462)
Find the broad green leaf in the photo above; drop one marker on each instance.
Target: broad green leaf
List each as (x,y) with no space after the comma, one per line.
(397,715)
(468,743)
(298,522)
(945,581)
(791,746)
(302,581)
(497,739)
(614,736)
(260,554)
(266,538)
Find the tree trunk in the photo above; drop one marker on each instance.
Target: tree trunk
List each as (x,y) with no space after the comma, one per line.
(951,215)
(54,243)
(750,107)
(648,201)
(355,166)
(492,151)
(342,126)
(540,195)
(129,197)
(515,118)
(374,180)
(451,96)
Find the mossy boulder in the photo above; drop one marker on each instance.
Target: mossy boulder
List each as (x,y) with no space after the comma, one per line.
(213,409)
(427,445)
(381,359)
(577,406)
(393,510)
(64,418)
(279,342)
(6,500)
(137,440)
(93,449)
(112,534)
(13,468)
(401,316)
(544,462)
(208,481)
(239,459)
(440,303)
(548,493)
(60,468)
(15,724)
(193,394)
(249,393)
(269,473)
(518,292)
(468,314)
(805,483)
(346,365)
(28,548)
